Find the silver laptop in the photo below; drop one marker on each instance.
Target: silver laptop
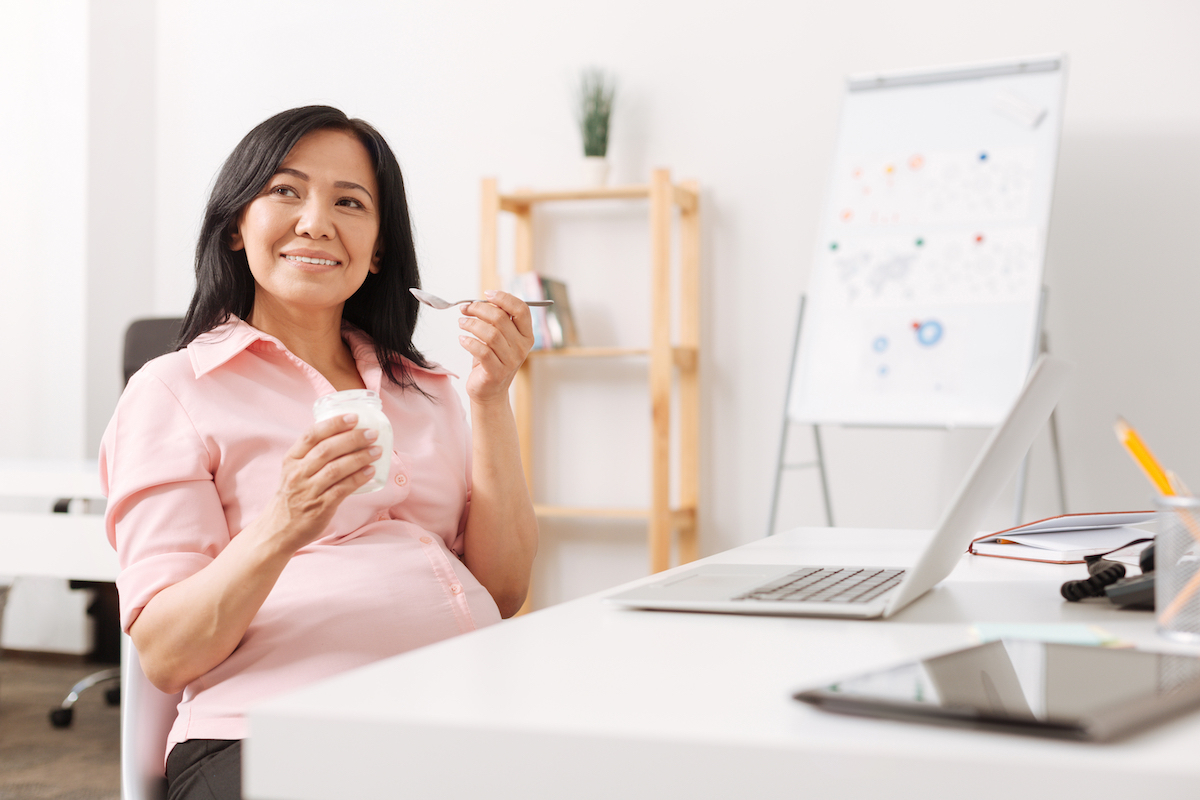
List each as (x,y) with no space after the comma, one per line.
(867,592)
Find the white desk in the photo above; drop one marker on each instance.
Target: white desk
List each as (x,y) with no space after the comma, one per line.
(49,478)
(584,700)
(47,544)
(70,546)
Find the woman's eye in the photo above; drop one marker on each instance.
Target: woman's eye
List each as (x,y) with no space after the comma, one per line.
(351,202)
(284,191)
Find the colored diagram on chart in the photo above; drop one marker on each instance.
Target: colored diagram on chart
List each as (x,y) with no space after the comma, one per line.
(995,266)
(899,353)
(977,186)
(927,333)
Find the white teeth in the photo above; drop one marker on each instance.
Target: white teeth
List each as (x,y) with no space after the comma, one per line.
(325,262)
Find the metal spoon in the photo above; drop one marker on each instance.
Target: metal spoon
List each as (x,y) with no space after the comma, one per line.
(433,301)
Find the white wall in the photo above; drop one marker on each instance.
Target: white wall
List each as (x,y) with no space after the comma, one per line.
(121,193)
(743,97)
(77,220)
(43,207)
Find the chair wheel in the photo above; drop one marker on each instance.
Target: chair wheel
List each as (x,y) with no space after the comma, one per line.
(113,696)
(61,717)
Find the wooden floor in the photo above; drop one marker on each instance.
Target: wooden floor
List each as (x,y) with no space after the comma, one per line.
(40,762)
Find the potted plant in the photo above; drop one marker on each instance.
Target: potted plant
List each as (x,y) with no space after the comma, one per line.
(594,101)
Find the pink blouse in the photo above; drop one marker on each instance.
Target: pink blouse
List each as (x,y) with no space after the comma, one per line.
(193,454)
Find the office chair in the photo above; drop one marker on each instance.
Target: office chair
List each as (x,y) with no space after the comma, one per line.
(146,718)
(4,587)
(145,339)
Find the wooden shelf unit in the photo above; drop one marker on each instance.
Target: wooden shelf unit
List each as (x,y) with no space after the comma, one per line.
(664,356)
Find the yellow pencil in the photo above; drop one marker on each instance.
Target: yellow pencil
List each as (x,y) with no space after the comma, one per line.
(1142,455)
(1166,482)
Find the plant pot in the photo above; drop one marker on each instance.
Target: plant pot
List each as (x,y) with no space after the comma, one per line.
(594,171)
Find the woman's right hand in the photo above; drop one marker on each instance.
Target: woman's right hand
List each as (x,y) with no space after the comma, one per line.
(324,467)
(192,626)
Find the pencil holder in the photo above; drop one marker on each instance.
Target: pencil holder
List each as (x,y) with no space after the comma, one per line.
(1177,569)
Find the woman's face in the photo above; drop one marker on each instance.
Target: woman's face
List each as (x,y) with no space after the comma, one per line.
(312,234)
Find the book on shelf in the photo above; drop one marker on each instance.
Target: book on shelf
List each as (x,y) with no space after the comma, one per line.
(1066,539)
(553,326)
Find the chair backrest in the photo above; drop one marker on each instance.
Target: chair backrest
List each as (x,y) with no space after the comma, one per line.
(146,713)
(149,338)
(146,718)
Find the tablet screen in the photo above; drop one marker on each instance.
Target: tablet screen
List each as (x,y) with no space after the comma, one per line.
(1022,686)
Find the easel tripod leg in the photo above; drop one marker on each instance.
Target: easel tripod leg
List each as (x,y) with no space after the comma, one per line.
(779,467)
(824,479)
(1019,503)
(1023,474)
(1058,462)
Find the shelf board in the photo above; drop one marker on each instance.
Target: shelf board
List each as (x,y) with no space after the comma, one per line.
(517,201)
(590,352)
(591,511)
(681,518)
(684,357)
(521,199)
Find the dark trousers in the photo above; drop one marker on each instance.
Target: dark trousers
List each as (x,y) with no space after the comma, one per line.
(205,769)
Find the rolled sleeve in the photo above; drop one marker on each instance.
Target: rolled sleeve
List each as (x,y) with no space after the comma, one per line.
(164,518)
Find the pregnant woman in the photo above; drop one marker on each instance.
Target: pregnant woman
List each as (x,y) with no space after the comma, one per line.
(249,566)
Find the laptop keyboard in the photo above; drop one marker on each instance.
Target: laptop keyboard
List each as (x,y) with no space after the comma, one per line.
(828,585)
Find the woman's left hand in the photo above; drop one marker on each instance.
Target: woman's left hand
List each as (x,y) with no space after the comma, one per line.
(501,535)
(501,337)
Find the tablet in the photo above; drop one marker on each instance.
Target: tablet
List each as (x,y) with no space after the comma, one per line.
(1017,686)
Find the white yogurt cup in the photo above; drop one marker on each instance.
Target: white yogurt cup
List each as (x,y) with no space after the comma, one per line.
(369,408)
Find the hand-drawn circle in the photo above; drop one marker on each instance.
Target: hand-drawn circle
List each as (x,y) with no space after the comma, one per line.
(929,332)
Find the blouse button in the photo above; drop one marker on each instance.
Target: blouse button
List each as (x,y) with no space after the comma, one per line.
(456,589)
(426,540)
(381,516)
(401,479)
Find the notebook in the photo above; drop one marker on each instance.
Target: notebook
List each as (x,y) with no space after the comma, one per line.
(867,592)
(1068,538)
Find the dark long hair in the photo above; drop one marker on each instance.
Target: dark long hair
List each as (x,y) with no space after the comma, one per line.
(382,307)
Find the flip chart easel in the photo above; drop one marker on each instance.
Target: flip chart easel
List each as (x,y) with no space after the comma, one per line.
(925,300)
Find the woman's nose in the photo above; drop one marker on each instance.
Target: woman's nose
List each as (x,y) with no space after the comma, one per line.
(315,221)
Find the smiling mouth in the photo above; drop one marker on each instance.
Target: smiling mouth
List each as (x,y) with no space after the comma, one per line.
(323,262)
